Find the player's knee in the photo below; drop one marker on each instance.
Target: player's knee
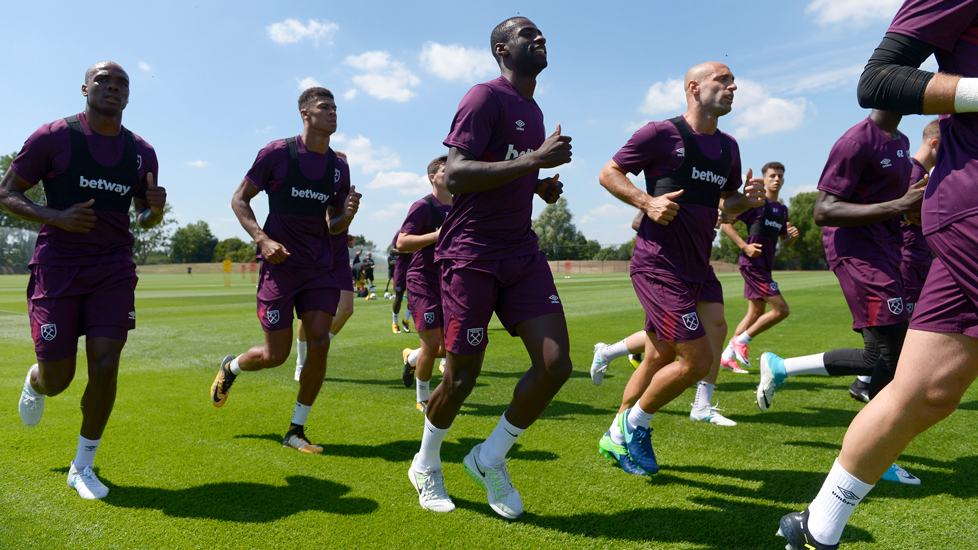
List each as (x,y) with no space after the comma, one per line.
(782,312)
(53,383)
(559,370)
(274,357)
(104,372)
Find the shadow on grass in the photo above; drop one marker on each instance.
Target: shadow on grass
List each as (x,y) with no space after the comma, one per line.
(557,410)
(969,406)
(403,451)
(243,502)
(713,524)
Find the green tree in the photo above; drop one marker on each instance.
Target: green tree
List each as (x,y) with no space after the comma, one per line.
(807,252)
(559,239)
(17,236)
(234,248)
(362,242)
(726,250)
(154,241)
(621,252)
(193,243)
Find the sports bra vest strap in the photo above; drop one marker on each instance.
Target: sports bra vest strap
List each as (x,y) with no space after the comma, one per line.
(437,218)
(299,194)
(768,225)
(700,177)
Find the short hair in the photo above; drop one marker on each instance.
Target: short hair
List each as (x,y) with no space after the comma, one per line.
(932,130)
(437,163)
(90,72)
(312,93)
(772,166)
(502,33)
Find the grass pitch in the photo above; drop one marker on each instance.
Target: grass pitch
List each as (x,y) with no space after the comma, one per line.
(186,475)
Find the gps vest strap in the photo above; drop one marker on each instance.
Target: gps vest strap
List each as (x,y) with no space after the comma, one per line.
(300,195)
(437,218)
(760,228)
(111,187)
(701,177)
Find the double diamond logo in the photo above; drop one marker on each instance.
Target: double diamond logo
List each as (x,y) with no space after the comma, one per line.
(847,494)
(519,125)
(885,163)
(554,299)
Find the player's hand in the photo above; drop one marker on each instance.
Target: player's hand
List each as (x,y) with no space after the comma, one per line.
(754,190)
(155,195)
(913,218)
(661,209)
(351,241)
(78,218)
(272,251)
(792,231)
(911,202)
(556,150)
(550,189)
(352,202)
(753,250)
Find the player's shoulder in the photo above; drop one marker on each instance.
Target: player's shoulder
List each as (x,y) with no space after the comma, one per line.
(143,147)
(734,146)
(50,132)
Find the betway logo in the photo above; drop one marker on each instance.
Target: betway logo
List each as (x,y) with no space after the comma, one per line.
(772,223)
(104,185)
(309,194)
(513,153)
(709,176)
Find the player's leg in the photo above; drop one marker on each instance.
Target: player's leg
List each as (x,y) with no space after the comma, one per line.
(715,324)
(407,313)
(432,347)
(278,346)
(317,325)
(344,310)
(604,354)
(728,359)
(396,308)
(300,349)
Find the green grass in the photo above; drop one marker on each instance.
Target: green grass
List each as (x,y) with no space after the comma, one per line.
(186,475)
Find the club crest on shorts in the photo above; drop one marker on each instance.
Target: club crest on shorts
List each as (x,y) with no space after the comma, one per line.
(910,306)
(48,332)
(474,336)
(272,316)
(773,286)
(895,305)
(429,317)
(691,320)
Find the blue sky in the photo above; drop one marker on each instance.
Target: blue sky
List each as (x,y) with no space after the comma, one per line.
(213,82)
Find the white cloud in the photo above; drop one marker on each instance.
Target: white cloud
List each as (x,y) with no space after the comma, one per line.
(614,210)
(587,219)
(827,80)
(664,97)
(350,94)
(361,152)
(264,130)
(308,82)
(854,12)
(393,210)
(456,62)
(404,183)
(145,66)
(384,78)
(199,164)
(291,31)
(757,113)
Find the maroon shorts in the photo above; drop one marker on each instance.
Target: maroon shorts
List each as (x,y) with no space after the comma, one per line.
(711,291)
(758,283)
(67,302)
(517,289)
(343,275)
(670,305)
(874,291)
(400,279)
(914,275)
(949,300)
(425,304)
(280,289)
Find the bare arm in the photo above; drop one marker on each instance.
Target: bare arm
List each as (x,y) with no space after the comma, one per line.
(464,173)
(149,211)
(272,251)
(832,211)
(79,218)
(788,240)
(752,250)
(409,243)
(735,202)
(661,210)
(340,221)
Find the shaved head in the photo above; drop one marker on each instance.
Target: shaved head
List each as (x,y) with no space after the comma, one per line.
(90,73)
(701,72)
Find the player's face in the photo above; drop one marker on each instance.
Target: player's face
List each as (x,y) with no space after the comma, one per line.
(321,115)
(107,90)
(773,180)
(527,46)
(717,91)
(438,178)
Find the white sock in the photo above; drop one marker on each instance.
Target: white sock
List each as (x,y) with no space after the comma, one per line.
(809,364)
(235,369)
(637,417)
(704,395)
(395,318)
(424,391)
(30,387)
(614,351)
(835,503)
(413,357)
(331,336)
(744,338)
(616,434)
(86,452)
(865,379)
(300,348)
(301,414)
(728,352)
(499,442)
(407,313)
(430,454)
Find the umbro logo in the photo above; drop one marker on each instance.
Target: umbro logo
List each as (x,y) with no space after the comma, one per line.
(681,152)
(519,125)
(847,494)
(132,315)
(886,163)
(554,299)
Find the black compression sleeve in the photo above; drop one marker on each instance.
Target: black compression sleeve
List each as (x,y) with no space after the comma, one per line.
(891,80)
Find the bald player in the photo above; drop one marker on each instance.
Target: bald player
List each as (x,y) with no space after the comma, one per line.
(82,275)
(491,262)
(691,169)
(939,361)
(917,255)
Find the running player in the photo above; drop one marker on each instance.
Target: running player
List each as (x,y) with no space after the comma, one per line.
(82,275)
(490,261)
(917,254)
(691,168)
(300,175)
(402,260)
(418,234)
(940,356)
(766,224)
(862,193)
(391,262)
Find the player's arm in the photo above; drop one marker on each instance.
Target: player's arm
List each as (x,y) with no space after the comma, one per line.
(464,173)
(409,243)
(834,211)
(789,238)
(78,218)
(752,250)
(272,251)
(661,209)
(735,202)
(339,220)
(149,211)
